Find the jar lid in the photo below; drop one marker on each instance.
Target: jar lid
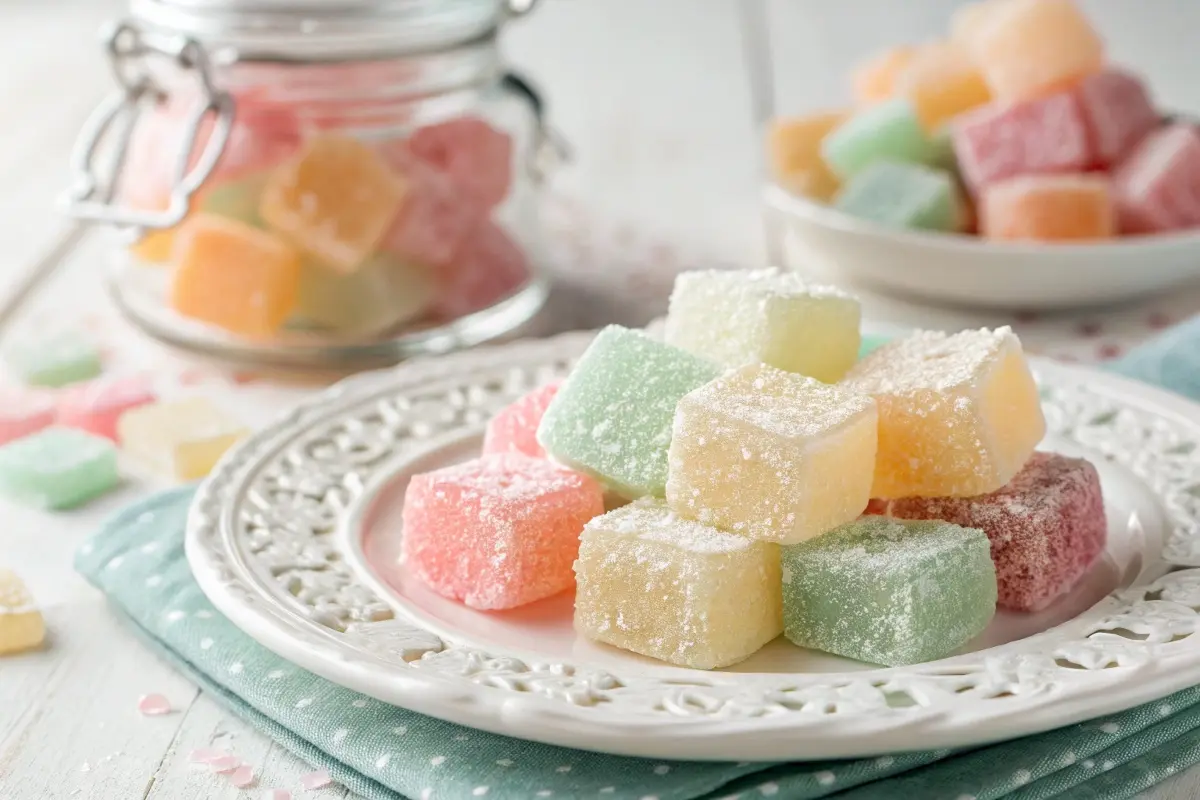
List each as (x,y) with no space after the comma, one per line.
(324,29)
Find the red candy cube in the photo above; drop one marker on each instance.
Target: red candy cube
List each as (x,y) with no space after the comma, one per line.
(1158,186)
(497,532)
(1118,112)
(1039,136)
(489,267)
(514,428)
(436,216)
(24,411)
(1046,527)
(473,154)
(95,407)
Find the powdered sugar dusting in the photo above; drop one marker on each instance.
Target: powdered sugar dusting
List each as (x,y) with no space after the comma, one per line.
(929,360)
(651,520)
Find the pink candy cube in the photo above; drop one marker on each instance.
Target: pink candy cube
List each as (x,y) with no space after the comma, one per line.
(1047,527)
(514,428)
(473,154)
(1039,136)
(489,267)
(24,411)
(1118,112)
(435,217)
(499,531)
(1158,186)
(96,406)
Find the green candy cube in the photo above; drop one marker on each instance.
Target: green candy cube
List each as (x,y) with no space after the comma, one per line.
(889,591)
(870,343)
(903,195)
(58,360)
(58,468)
(888,131)
(612,417)
(236,200)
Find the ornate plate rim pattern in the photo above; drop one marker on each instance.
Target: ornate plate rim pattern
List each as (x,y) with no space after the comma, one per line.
(264,543)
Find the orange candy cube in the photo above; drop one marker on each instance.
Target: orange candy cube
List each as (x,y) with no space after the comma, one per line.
(1049,208)
(942,82)
(335,201)
(794,151)
(234,276)
(1031,48)
(875,79)
(969,22)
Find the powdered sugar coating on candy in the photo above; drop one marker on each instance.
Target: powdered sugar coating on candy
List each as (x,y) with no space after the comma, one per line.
(612,417)
(680,591)
(772,455)
(58,468)
(1118,111)
(514,428)
(21,624)
(889,591)
(499,531)
(738,317)
(959,414)
(1046,527)
(24,411)
(1158,186)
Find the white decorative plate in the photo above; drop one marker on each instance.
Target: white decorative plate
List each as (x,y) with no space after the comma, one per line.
(294,538)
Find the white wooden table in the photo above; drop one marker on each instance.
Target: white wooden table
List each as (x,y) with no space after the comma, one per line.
(657,100)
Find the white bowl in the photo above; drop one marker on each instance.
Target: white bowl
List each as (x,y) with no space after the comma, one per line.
(965,270)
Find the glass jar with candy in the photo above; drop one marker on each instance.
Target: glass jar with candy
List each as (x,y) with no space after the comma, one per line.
(316,182)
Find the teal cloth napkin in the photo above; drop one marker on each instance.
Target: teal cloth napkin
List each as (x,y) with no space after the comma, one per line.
(386,753)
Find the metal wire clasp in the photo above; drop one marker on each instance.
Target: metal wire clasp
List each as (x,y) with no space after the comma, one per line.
(96,177)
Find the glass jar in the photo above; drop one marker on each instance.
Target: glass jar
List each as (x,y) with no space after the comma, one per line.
(317,182)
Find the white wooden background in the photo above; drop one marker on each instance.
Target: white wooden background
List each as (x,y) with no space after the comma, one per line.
(655,97)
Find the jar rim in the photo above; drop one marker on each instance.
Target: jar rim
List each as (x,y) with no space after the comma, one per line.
(321,30)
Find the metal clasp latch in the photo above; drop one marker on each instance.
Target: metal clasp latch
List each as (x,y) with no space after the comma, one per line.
(96,178)
(550,149)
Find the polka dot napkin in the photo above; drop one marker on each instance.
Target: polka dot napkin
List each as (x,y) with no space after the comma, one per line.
(386,753)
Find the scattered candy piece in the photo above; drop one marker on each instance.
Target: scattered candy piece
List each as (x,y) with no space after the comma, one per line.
(942,82)
(95,407)
(1049,208)
(904,196)
(497,532)
(335,201)
(612,417)
(771,455)
(206,755)
(21,624)
(317,779)
(242,777)
(224,764)
(1118,111)
(959,415)
(234,276)
(183,439)
(737,317)
(1046,527)
(875,79)
(889,591)
(24,411)
(488,267)
(58,468)
(675,590)
(380,296)
(55,360)
(1158,186)
(514,428)
(154,705)
(276,794)
(476,156)
(889,131)
(1028,48)
(794,148)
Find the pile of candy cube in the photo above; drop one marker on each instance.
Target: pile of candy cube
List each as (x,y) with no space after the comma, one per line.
(760,477)
(1015,127)
(318,230)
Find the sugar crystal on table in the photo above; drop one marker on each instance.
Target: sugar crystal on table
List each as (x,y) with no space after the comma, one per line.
(21,624)
(96,406)
(875,79)
(1158,186)
(379,296)
(680,591)
(24,411)
(335,201)
(57,468)
(771,316)
(959,414)
(998,141)
(499,531)
(889,131)
(942,82)
(514,428)
(612,416)
(1028,48)
(181,439)
(771,455)
(54,359)
(1049,208)
(904,196)
(794,149)
(234,276)
(887,591)
(1046,527)
(1118,111)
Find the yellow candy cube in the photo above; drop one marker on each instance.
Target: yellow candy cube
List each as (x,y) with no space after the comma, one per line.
(794,151)
(771,455)
(21,624)
(875,79)
(943,82)
(182,439)
(969,22)
(959,414)
(1031,48)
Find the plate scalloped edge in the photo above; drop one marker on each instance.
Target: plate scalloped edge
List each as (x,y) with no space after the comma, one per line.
(262,544)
